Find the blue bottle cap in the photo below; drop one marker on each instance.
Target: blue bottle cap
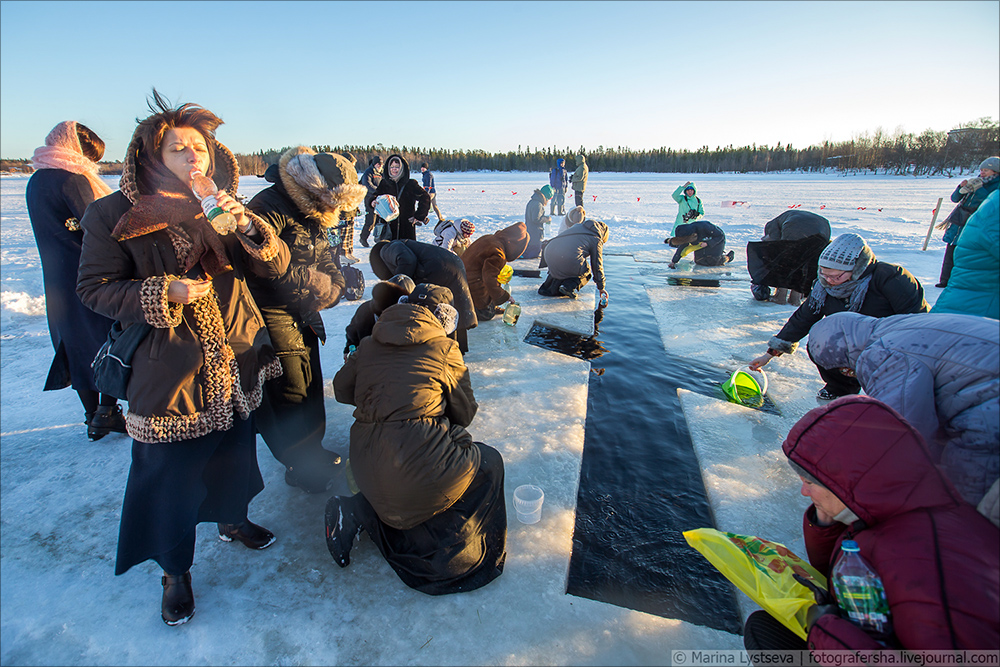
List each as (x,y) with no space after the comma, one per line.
(849,545)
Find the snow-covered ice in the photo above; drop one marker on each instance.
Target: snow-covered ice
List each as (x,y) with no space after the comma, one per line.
(60,602)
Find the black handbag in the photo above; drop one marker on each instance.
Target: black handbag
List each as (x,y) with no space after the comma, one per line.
(113,363)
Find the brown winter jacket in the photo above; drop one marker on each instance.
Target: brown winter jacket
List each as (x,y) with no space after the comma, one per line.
(486,257)
(410,453)
(202,361)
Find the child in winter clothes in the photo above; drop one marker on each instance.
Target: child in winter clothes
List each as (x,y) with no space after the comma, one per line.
(454,236)
(384,294)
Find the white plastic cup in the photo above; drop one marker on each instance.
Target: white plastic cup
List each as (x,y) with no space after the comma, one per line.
(528,500)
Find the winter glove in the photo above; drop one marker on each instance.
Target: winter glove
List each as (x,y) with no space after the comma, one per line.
(971,185)
(320,292)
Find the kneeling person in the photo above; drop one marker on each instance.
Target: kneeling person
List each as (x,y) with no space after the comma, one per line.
(710,238)
(430,498)
(566,257)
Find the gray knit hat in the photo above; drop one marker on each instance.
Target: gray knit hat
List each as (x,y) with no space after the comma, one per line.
(843,252)
(991,163)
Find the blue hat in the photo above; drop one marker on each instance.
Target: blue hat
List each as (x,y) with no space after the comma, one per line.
(560,162)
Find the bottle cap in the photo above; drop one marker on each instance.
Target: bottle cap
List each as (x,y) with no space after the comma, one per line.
(849,545)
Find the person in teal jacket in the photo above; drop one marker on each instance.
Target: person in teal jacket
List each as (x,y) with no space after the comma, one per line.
(689,206)
(972,288)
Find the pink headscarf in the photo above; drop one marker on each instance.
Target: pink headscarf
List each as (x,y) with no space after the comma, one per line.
(62,151)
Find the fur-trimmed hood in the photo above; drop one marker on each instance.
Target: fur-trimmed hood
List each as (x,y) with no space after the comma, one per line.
(310,191)
(226,174)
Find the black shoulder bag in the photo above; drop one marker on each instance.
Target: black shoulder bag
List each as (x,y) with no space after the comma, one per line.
(113,363)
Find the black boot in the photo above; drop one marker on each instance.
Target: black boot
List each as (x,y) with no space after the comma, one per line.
(342,528)
(313,476)
(177,605)
(250,534)
(104,420)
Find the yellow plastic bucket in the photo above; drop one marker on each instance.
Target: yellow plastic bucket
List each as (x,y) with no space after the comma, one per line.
(746,387)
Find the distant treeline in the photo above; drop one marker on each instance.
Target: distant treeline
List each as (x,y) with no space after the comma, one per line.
(928,153)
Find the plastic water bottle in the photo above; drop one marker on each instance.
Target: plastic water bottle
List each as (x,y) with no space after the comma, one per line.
(860,592)
(205,189)
(511,313)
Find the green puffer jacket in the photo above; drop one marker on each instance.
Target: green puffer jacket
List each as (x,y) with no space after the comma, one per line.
(685,204)
(410,453)
(579,181)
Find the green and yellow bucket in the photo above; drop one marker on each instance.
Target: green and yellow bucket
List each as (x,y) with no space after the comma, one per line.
(746,387)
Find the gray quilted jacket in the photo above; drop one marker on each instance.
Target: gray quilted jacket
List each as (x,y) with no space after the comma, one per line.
(941,372)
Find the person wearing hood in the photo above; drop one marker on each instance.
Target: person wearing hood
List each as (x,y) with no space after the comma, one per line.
(384,294)
(559,180)
(579,180)
(414,201)
(426,263)
(787,255)
(535,220)
(430,498)
(873,481)
(484,260)
(850,279)
(689,206)
(566,257)
(370,178)
(310,191)
(941,372)
(972,287)
(150,257)
(454,236)
(65,182)
(709,238)
(969,195)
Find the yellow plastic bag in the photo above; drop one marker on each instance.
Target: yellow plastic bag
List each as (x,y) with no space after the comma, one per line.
(763,570)
(690,249)
(506,273)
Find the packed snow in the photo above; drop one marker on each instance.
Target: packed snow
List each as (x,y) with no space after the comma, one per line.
(60,602)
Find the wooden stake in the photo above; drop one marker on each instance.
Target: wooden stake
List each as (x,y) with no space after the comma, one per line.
(930,230)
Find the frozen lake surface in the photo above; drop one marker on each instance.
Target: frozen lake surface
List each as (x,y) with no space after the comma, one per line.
(61,494)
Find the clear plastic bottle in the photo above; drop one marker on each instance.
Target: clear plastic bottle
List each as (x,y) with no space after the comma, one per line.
(205,189)
(511,313)
(860,592)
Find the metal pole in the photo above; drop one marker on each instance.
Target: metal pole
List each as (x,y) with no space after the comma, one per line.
(930,230)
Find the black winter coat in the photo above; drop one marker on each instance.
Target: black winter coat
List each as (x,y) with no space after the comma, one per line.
(893,291)
(294,292)
(427,263)
(53,197)
(371,181)
(794,225)
(414,202)
(707,233)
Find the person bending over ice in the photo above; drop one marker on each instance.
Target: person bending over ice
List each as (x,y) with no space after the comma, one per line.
(566,257)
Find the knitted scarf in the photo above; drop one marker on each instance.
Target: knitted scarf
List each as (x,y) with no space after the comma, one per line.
(62,151)
(854,290)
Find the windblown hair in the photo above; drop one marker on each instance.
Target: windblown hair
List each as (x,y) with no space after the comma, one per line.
(148,137)
(91,144)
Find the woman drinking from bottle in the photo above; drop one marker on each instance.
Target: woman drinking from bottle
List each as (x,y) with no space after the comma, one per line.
(151,256)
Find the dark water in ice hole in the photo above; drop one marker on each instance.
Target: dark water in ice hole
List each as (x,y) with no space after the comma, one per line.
(641,485)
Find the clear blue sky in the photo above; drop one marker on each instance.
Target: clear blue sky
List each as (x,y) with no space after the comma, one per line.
(496,75)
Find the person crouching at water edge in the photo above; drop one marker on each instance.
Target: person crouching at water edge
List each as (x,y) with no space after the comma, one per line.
(710,242)
(566,258)
(872,481)
(150,257)
(431,499)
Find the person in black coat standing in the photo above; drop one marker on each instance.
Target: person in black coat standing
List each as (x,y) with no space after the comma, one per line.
(710,238)
(310,191)
(65,182)
(370,178)
(427,263)
(414,201)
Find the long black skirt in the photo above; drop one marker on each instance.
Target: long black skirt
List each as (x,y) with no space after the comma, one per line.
(460,549)
(174,486)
